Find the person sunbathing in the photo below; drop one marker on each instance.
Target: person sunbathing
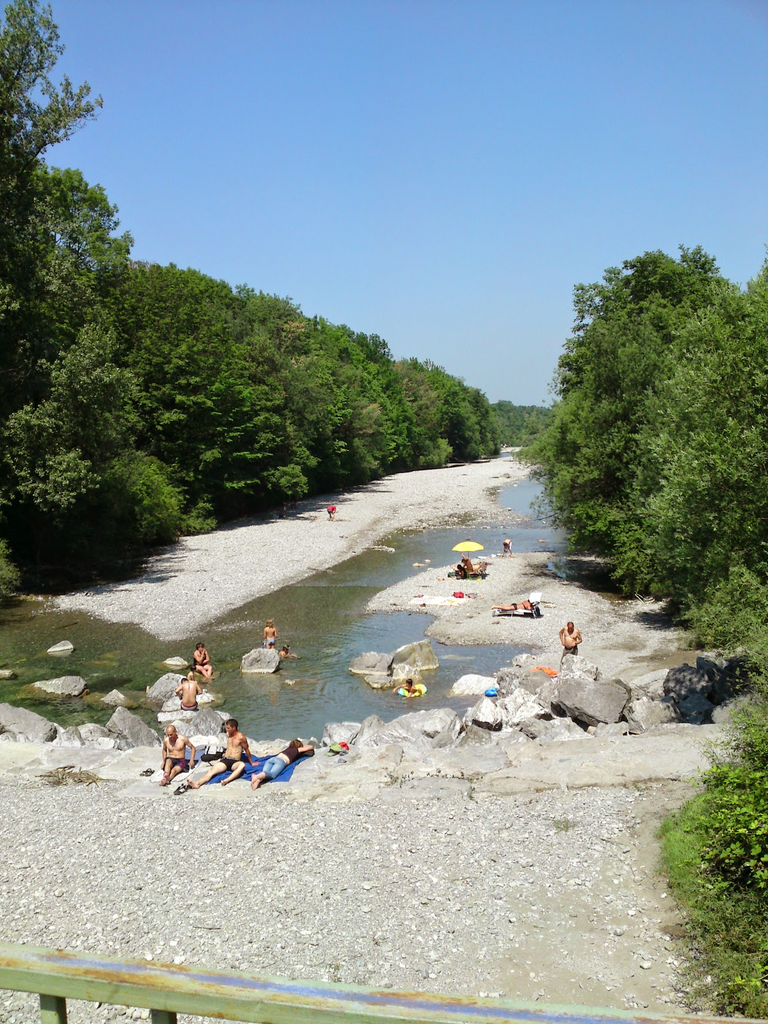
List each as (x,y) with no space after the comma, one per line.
(279,762)
(525,606)
(232,758)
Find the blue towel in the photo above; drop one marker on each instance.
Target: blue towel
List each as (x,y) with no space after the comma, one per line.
(251,770)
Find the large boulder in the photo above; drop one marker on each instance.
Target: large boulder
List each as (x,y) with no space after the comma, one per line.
(63,647)
(98,737)
(206,723)
(696,709)
(561,729)
(590,700)
(371,664)
(520,708)
(26,723)
(339,732)
(369,727)
(378,681)
(472,686)
(164,688)
(650,685)
(64,686)
(129,727)
(260,662)
(574,665)
(414,658)
(485,715)
(642,713)
(69,737)
(684,681)
(115,699)
(435,728)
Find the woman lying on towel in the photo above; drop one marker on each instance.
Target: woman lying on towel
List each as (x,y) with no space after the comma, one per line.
(277,764)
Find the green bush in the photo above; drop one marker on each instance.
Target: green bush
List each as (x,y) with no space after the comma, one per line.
(726,924)
(736,853)
(9,574)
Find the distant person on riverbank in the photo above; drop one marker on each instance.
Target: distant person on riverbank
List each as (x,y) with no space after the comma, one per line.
(270,635)
(506,550)
(279,762)
(285,652)
(201,661)
(570,638)
(189,690)
(331,510)
(232,758)
(175,755)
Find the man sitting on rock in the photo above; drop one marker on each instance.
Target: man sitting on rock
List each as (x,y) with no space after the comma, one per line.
(231,760)
(189,690)
(175,755)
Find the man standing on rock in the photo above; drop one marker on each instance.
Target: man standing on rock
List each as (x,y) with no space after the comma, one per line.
(175,755)
(231,760)
(570,638)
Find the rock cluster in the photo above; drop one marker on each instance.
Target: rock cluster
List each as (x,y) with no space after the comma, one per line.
(409,661)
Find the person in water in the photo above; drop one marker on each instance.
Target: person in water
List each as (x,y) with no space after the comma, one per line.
(189,690)
(270,635)
(174,755)
(285,652)
(201,661)
(232,758)
(279,762)
(409,689)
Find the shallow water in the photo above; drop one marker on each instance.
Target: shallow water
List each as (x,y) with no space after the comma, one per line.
(323,618)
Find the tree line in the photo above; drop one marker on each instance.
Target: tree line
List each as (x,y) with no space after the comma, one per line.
(656,457)
(140,401)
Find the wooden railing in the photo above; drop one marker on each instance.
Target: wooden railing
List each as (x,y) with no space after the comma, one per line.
(168,990)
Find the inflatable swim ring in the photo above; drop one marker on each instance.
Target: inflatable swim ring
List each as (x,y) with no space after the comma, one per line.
(420,689)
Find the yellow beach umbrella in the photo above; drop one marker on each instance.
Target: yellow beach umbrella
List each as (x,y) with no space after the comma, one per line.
(468,545)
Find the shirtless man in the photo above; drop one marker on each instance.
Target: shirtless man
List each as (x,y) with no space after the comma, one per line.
(202,661)
(189,690)
(175,755)
(231,760)
(570,638)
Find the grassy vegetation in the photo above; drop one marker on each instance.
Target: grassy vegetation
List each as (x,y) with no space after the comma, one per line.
(727,924)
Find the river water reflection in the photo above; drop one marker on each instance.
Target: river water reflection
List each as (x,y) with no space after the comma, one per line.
(323,618)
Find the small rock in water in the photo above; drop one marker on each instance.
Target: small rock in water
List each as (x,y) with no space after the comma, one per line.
(64,647)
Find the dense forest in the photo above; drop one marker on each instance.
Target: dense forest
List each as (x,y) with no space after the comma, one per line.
(656,457)
(140,401)
(520,425)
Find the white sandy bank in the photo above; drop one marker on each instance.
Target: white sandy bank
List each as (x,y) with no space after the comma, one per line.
(191,583)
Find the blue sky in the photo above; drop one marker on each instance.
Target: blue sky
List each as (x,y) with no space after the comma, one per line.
(438,173)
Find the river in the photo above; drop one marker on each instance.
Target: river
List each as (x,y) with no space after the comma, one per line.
(323,618)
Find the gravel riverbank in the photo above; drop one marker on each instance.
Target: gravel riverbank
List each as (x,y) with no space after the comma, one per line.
(191,583)
(546,896)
